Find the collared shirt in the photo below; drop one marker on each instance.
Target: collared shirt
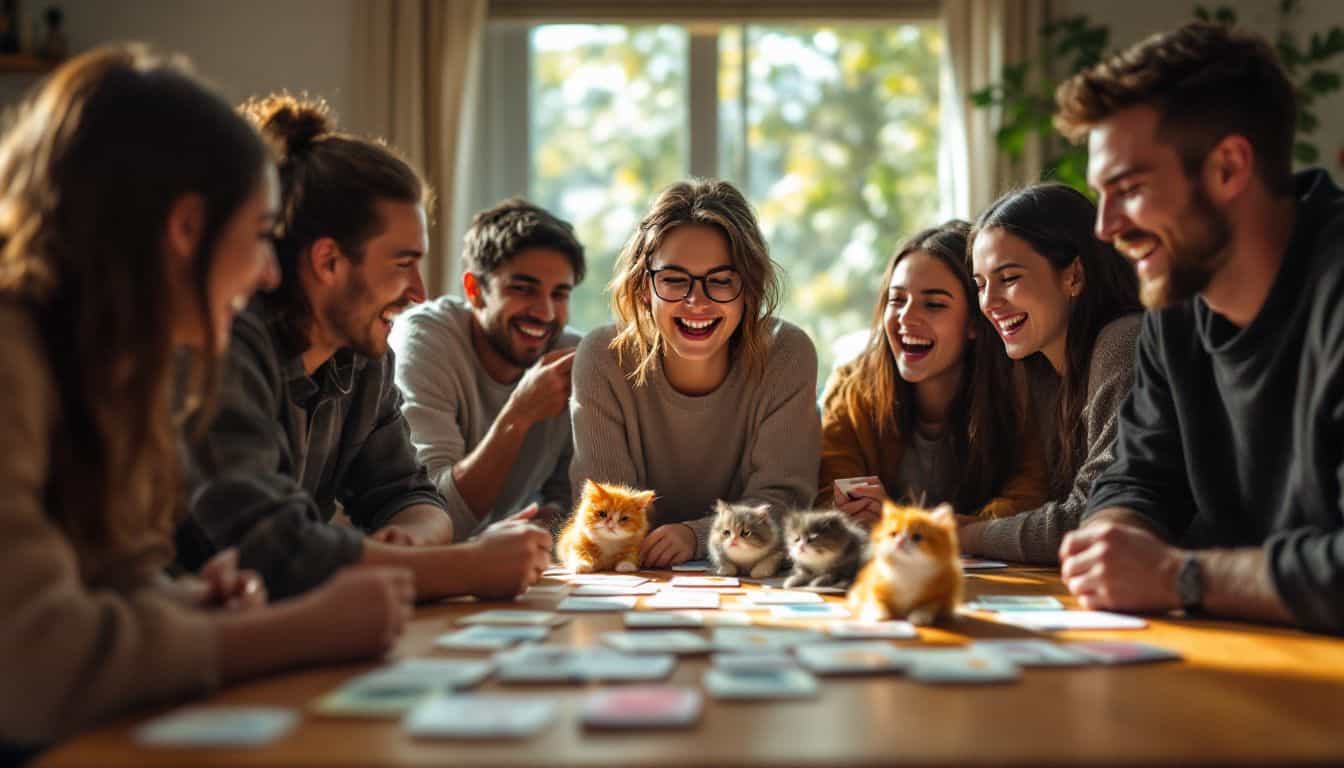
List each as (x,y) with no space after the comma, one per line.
(286,451)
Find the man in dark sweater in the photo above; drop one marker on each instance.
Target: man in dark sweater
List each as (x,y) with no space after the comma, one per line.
(1225,495)
(308,423)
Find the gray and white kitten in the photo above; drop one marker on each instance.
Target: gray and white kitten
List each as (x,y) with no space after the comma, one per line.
(745,540)
(826,548)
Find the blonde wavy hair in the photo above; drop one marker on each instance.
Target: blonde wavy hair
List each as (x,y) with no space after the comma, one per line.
(703,202)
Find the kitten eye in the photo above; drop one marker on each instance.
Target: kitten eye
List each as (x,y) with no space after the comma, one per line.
(727,532)
(746,534)
(918,537)
(602,515)
(624,518)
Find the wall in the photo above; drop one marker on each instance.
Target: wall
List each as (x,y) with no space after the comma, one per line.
(245,47)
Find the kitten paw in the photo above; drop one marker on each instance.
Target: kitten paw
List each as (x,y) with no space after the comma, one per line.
(874,613)
(727,569)
(794,580)
(625,566)
(582,567)
(923,616)
(763,571)
(820,581)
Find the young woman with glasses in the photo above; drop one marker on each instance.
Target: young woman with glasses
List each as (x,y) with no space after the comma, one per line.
(697,392)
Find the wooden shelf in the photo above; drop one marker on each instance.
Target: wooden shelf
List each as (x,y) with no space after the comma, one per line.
(25,64)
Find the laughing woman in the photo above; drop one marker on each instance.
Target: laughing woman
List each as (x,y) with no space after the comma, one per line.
(1067,305)
(698,392)
(136,214)
(928,408)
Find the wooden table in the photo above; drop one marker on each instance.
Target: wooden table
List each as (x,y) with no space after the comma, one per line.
(1244,694)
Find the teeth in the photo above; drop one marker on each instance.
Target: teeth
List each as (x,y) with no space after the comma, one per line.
(1014,322)
(697,325)
(238,304)
(536,333)
(916,341)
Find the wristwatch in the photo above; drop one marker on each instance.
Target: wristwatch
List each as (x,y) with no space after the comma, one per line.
(1190,584)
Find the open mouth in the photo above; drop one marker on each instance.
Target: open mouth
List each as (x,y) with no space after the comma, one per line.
(1010,325)
(531,331)
(915,347)
(697,329)
(389,316)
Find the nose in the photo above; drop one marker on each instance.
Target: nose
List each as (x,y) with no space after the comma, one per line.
(1110,221)
(543,308)
(270,273)
(415,292)
(991,296)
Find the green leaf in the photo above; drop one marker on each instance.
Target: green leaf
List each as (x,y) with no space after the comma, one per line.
(1202,13)
(985,97)
(1226,16)
(1307,121)
(1305,153)
(1322,81)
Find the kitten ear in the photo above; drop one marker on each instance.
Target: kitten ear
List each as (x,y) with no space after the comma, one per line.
(945,516)
(762,511)
(645,498)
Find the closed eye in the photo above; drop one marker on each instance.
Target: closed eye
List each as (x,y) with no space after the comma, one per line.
(624,518)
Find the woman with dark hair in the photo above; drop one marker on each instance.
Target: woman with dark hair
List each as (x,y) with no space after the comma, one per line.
(135,221)
(928,408)
(1067,305)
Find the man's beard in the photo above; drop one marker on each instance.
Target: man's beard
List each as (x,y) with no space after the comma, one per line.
(500,340)
(356,323)
(1194,255)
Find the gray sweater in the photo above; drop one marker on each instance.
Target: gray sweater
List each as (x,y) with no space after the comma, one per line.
(755,439)
(451,402)
(1034,536)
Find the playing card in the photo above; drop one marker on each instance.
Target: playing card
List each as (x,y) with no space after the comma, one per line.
(718,619)
(811,611)
(760,683)
(557,571)
(217,727)
(490,637)
(668,620)
(538,664)
(1123,652)
(611,666)
(753,660)
(597,604)
(848,484)
(657,641)
(1053,620)
(642,707)
(754,638)
(956,665)
(773,581)
(607,579)
(692,566)
(611,590)
(704,581)
(480,716)
(1006,603)
(874,630)
(683,598)
(506,616)
(1033,652)
(543,591)
(976,564)
(784,597)
(393,690)
(850,658)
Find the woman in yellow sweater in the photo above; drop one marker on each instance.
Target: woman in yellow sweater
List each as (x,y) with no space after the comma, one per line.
(928,408)
(136,217)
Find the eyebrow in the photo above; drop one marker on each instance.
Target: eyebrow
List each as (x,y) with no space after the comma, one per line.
(926,291)
(407,253)
(530,280)
(1124,173)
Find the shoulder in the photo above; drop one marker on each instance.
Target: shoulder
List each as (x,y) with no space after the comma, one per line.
(1115,343)
(25,370)
(791,347)
(441,324)
(595,356)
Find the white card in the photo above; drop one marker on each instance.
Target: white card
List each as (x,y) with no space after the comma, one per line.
(1033,652)
(657,641)
(608,579)
(1123,652)
(597,604)
(217,727)
(1053,620)
(642,707)
(956,665)
(872,630)
(611,666)
(392,691)
(810,611)
(1006,603)
(544,591)
(753,660)
(850,658)
(506,616)
(705,581)
(754,638)
(760,683)
(784,597)
(692,566)
(848,484)
(490,637)
(721,619)
(538,664)
(612,590)
(683,598)
(659,620)
(977,564)
(480,716)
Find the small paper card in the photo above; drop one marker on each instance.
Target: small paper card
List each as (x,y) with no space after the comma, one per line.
(556,663)
(754,638)
(661,620)
(657,641)
(872,630)
(848,484)
(607,579)
(486,637)
(811,611)
(217,727)
(611,590)
(691,566)
(705,581)
(760,683)
(851,658)
(1122,652)
(506,616)
(597,604)
(392,691)
(683,598)
(642,707)
(480,716)
(955,665)
(1055,620)
(976,564)
(753,659)
(1033,652)
(784,597)
(1008,603)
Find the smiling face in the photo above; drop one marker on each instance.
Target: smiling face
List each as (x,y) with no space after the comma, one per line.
(1025,298)
(384,282)
(243,261)
(927,318)
(696,329)
(522,306)
(1154,214)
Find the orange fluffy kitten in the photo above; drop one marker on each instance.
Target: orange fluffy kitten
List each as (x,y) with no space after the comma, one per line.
(606,530)
(914,567)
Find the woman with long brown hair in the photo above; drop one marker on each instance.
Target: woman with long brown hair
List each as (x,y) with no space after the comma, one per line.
(1067,305)
(927,411)
(135,221)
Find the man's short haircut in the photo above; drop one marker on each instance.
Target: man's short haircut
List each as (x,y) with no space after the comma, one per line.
(1206,82)
(501,232)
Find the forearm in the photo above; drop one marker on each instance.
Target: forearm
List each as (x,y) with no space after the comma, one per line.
(442,571)
(480,476)
(1238,584)
(256,643)
(426,522)
(1123,516)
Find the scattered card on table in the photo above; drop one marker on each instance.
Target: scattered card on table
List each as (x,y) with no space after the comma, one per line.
(784,597)
(872,630)
(1005,603)
(753,660)
(538,664)
(705,581)
(760,683)
(810,611)
(1123,652)
(753,638)
(217,727)
(480,716)
(544,590)
(850,658)
(597,604)
(683,598)
(394,690)
(718,619)
(1033,652)
(692,566)
(976,564)
(490,637)
(659,620)
(608,579)
(1052,620)
(642,707)
(613,590)
(612,666)
(955,665)
(657,641)
(506,616)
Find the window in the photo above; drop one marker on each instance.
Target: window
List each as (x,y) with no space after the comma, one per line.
(830,130)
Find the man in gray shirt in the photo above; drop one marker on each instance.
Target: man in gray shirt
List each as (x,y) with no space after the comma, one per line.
(485,378)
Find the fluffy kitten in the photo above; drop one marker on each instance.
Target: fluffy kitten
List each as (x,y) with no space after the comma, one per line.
(606,530)
(825,546)
(914,568)
(745,539)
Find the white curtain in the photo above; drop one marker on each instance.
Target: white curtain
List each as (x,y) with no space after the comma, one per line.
(982,36)
(414,84)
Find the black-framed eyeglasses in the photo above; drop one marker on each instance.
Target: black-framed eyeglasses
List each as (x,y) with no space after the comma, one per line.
(721,284)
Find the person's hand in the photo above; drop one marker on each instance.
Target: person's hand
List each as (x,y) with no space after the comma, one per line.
(511,556)
(396,536)
(866,506)
(543,391)
(419,525)
(666,546)
(1112,566)
(226,586)
(363,610)
(969,532)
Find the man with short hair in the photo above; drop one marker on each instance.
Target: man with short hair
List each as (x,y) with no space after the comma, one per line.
(1225,496)
(486,378)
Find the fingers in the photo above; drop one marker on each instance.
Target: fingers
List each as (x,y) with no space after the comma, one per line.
(659,549)
(564,363)
(838,497)
(528,512)
(223,562)
(869,491)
